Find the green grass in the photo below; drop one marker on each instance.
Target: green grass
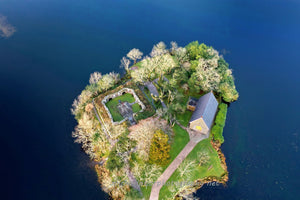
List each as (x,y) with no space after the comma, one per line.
(112,105)
(138,64)
(181,138)
(213,168)
(146,190)
(136,107)
(184,118)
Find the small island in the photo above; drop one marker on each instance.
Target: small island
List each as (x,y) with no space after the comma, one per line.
(155,132)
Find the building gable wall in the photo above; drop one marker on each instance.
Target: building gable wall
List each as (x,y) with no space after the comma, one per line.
(199,122)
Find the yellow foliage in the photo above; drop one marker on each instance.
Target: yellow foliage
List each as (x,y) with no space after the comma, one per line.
(160,148)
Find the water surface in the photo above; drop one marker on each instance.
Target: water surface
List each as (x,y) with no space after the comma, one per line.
(58,43)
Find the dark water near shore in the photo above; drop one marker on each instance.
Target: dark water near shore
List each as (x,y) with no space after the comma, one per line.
(58,43)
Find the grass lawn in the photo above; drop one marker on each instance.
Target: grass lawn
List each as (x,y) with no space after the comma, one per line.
(181,138)
(136,107)
(184,118)
(146,190)
(112,105)
(138,64)
(213,168)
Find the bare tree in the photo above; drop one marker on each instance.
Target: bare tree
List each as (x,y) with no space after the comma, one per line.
(174,47)
(139,75)
(108,80)
(135,54)
(203,158)
(186,168)
(125,63)
(158,49)
(143,132)
(181,55)
(78,103)
(95,77)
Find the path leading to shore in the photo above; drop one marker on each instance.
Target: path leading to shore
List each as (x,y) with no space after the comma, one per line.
(195,138)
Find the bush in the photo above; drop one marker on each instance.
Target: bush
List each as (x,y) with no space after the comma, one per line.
(124,145)
(196,51)
(143,115)
(114,161)
(217,129)
(217,132)
(160,148)
(133,194)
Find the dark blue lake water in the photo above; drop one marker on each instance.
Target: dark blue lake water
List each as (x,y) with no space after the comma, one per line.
(58,43)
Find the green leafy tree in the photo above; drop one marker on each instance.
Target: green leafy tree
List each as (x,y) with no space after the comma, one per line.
(197,51)
(114,161)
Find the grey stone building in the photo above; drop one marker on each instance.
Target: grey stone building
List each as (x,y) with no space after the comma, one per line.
(204,113)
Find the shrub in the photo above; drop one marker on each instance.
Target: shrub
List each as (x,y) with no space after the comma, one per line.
(160,148)
(124,144)
(217,129)
(114,161)
(133,194)
(196,51)
(217,132)
(143,115)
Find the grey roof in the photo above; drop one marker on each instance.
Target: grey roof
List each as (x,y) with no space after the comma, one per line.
(152,88)
(206,107)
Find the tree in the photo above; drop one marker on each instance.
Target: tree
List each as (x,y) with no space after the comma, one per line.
(197,51)
(185,87)
(78,103)
(139,75)
(95,77)
(160,148)
(135,54)
(186,167)
(163,64)
(228,92)
(193,50)
(143,132)
(108,80)
(206,74)
(158,65)
(114,161)
(180,75)
(203,158)
(115,183)
(181,55)
(125,63)
(174,47)
(158,49)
